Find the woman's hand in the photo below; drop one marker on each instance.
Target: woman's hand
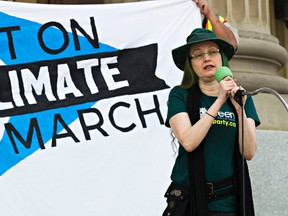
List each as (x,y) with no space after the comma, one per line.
(203,6)
(226,87)
(243,98)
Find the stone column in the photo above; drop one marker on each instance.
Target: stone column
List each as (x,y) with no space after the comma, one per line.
(258,58)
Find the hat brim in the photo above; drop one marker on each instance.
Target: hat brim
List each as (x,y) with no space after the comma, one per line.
(180,54)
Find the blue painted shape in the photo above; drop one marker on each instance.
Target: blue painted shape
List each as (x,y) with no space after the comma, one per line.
(28,50)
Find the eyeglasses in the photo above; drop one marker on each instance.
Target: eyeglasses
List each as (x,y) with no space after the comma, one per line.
(200,55)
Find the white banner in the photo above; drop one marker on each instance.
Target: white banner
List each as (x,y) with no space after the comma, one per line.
(83,91)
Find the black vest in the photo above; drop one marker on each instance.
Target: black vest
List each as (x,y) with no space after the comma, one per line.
(198,193)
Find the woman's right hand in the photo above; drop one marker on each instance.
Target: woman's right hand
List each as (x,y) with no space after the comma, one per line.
(226,86)
(203,6)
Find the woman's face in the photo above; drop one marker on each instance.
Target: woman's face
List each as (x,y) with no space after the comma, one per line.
(205,59)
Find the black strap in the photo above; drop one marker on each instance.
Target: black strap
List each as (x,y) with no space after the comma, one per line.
(213,189)
(223,183)
(216,195)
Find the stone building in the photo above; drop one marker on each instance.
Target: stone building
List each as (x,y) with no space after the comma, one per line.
(261,61)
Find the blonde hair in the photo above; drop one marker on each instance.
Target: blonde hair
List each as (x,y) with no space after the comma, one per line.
(189,76)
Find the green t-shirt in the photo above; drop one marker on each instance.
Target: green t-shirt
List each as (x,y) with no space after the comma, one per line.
(219,143)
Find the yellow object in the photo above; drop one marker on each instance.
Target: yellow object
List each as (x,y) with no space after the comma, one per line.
(208,23)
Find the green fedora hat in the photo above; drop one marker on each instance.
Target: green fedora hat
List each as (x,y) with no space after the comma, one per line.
(200,35)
